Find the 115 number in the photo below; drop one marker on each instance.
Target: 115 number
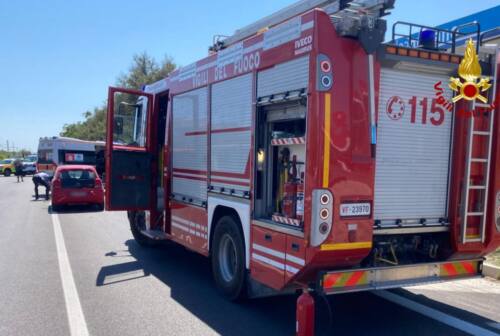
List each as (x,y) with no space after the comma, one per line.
(436,114)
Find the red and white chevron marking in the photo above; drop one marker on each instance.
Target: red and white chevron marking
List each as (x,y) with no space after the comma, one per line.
(288,141)
(286,220)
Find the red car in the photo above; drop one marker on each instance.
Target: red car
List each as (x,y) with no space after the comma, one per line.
(77,185)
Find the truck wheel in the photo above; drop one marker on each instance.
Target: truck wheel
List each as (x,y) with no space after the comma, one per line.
(7,172)
(228,258)
(137,224)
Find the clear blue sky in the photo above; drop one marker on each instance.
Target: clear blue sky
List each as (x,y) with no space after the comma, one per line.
(57,57)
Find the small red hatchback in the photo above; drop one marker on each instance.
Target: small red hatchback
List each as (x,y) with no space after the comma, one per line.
(77,185)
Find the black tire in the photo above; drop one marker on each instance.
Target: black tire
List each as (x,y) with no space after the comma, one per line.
(55,208)
(137,224)
(100,207)
(228,258)
(7,172)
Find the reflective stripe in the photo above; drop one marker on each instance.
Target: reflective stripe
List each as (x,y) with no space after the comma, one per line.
(181,220)
(291,269)
(268,261)
(279,255)
(269,251)
(189,230)
(295,260)
(189,223)
(180,227)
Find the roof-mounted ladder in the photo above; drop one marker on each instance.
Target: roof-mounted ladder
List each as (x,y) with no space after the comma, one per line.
(485,162)
(349,15)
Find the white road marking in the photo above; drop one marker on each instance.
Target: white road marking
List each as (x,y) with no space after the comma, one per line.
(76,319)
(435,314)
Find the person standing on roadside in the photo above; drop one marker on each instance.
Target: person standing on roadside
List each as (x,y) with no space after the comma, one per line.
(42,179)
(19,167)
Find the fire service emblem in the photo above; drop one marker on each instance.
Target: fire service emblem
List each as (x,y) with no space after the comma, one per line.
(395,108)
(470,71)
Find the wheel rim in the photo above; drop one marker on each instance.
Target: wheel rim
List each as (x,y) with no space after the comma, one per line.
(227,258)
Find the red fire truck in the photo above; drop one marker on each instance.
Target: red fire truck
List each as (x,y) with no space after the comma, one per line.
(304,153)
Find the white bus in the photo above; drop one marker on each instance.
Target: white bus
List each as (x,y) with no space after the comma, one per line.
(56,151)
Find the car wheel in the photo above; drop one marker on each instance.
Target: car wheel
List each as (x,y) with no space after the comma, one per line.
(55,208)
(137,224)
(7,172)
(228,258)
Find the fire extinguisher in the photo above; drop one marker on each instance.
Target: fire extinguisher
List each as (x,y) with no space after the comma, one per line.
(289,199)
(300,198)
(304,323)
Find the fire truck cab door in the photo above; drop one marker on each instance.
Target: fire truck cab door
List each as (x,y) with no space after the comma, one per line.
(128,157)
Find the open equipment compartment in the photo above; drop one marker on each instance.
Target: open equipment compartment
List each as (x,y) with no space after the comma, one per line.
(280,159)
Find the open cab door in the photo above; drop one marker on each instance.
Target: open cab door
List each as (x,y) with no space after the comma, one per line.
(128,157)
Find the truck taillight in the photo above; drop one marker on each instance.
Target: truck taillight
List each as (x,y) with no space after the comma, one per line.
(322,216)
(324,73)
(326,66)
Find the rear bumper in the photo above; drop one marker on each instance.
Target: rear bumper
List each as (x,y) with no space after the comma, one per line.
(64,197)
(334,282)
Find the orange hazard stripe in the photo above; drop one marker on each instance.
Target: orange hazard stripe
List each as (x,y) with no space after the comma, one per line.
(345,279)
(458,268)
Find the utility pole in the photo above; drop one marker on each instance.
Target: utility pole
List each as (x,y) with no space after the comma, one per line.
(7,145)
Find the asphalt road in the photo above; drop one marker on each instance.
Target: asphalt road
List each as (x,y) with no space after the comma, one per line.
(124,289)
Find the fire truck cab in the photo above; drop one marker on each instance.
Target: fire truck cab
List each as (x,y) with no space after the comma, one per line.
(304,152)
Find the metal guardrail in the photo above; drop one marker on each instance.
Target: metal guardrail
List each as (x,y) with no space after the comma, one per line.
(409,34)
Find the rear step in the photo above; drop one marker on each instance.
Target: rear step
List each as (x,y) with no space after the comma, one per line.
(410,229)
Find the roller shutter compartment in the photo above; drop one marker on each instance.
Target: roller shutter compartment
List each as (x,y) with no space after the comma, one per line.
(413,148)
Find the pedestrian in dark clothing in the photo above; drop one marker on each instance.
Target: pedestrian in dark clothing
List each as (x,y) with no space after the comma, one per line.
(19,167)
(42,179)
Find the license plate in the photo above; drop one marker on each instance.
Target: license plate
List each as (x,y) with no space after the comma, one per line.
(78,193)
(355,209)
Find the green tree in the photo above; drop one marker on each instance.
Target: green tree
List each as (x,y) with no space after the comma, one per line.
(92,128)
(143,70)
(19,154)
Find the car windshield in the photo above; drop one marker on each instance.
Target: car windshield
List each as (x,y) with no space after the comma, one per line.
(78,178)
(6,161)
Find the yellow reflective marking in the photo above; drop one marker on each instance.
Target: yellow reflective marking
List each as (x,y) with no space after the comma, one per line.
(343,279)
(364,279)
(346,246)
(326,144)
